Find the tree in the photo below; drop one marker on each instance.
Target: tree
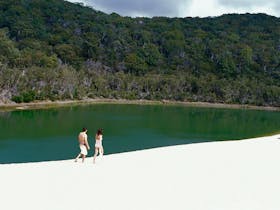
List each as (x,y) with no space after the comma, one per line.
(135,64)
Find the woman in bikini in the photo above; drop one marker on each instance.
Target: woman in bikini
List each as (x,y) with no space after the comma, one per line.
(98,144)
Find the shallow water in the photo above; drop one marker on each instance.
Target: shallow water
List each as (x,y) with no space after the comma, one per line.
(51,134)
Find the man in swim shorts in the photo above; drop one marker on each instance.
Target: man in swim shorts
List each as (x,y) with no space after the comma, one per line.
(83,143)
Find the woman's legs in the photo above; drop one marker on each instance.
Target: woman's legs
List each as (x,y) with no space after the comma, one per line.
(95,154)
(101,152)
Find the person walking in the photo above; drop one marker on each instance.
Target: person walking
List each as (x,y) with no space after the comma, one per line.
(98,144)
(83,143)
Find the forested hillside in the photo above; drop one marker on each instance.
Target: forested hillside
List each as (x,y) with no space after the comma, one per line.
(56,50)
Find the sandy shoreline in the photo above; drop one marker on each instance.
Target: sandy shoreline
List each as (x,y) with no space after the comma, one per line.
(53,104)
(231,175)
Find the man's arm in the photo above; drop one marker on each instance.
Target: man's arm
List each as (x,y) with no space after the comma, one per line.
(86,142)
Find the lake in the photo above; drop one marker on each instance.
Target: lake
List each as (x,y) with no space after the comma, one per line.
(51,134)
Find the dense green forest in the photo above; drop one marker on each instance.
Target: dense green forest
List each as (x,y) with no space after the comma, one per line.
(56,50)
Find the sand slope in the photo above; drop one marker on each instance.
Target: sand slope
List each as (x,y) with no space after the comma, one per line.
(235,175)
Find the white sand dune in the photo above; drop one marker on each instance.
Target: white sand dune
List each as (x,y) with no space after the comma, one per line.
(234,175)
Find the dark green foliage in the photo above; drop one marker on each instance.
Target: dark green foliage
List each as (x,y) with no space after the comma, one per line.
(17,99)
(25,97)
(61,50)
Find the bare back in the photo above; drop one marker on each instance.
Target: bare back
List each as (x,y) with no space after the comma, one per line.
(82,138)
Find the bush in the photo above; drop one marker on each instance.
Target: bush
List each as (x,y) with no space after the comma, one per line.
(28,96)
(17,99)
(25,97)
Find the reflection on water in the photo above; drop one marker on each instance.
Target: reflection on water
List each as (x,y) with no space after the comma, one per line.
(51,134)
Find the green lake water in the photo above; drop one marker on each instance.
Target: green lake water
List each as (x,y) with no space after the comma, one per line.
(51,134)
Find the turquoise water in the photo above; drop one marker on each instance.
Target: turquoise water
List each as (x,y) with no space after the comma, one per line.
(51,134)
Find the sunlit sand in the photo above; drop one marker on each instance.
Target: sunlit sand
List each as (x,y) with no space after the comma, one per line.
(230,175)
